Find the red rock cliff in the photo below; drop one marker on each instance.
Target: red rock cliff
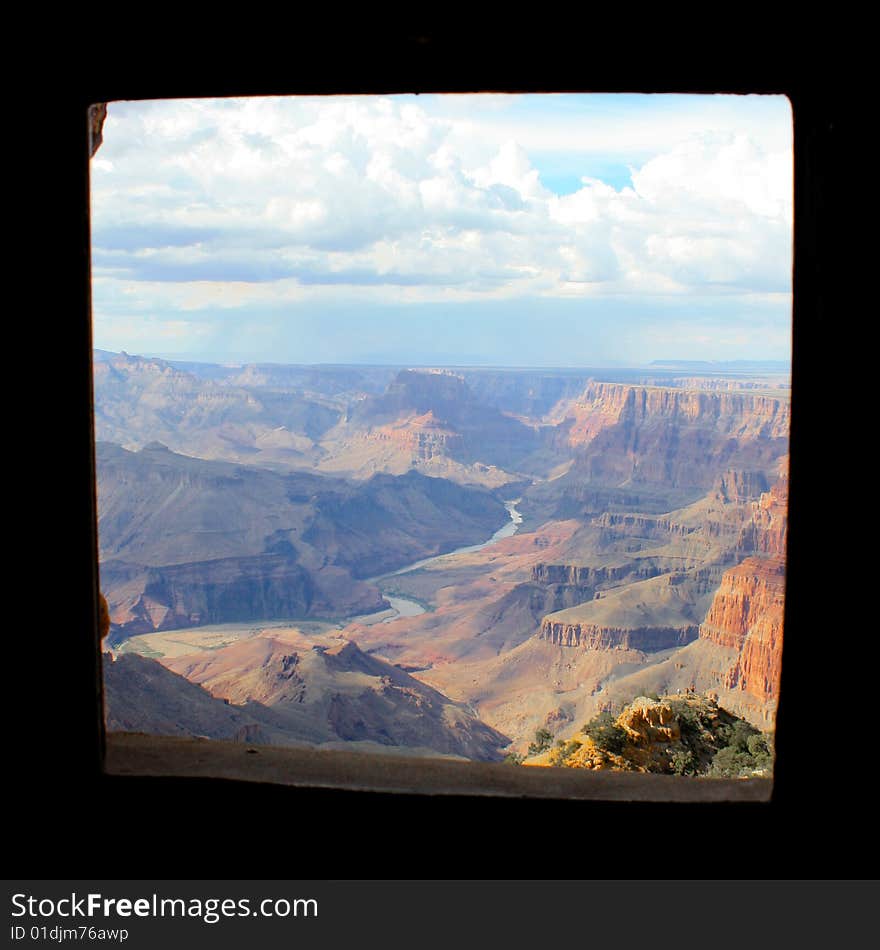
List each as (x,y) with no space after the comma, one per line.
(734,414)
(747,611)
(747,615)
(767,529)
(641,435)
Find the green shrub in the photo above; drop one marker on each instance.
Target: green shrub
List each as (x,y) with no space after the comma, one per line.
(740,734)
(757,745)
(761,750)
(732,763)
(747,751)
(605,732)
(543,738)
(601,719)
(684,762)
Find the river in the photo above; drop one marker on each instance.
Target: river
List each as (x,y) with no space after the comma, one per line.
(188,640)
(402,606)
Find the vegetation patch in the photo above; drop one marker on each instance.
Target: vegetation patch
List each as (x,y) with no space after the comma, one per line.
(685,734)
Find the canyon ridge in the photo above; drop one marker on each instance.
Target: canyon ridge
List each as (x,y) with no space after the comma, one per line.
(439,560)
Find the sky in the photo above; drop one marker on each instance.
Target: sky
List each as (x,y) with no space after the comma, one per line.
(515,230)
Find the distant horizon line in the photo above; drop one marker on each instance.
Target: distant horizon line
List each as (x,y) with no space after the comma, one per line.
(653,364)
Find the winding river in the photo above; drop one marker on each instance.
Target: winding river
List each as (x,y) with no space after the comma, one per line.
(211,637)
(402,606)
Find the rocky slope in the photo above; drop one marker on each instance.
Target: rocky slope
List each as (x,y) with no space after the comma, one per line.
(335,686)
(472,425)
(766,531)
(141,695)
(650,615)
(546,628)
(309,694)
(652,581)
(528,394)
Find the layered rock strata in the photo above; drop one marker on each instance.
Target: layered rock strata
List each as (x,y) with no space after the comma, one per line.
(742,415)
(625,435)
(747,615)
(590,636)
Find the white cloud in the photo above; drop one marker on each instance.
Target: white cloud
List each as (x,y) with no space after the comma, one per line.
(298,198)
(510,166)
(722,173)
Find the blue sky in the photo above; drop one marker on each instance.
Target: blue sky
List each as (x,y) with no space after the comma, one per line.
(518,230)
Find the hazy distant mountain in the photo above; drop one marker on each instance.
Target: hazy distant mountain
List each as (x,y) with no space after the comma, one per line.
(140,400)
(724,366)
(482,426)
(430,421)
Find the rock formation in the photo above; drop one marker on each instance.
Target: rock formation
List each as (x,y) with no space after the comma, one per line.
(601,637)
(140,400)
(649,615)
(141,695)
(316,696)
(742,415)
(747,612)
(747,616)
(432,421)
(345,694)
(684,734)
(635,436)
(646,722)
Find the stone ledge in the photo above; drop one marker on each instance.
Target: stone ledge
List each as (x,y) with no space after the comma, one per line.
(143,755)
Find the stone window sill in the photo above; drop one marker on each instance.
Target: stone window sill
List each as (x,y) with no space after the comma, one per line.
(145,755)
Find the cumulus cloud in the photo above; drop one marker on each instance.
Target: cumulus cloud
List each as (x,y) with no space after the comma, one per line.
(275,199)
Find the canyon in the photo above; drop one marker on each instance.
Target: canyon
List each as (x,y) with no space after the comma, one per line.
(184,541)
(303,506)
